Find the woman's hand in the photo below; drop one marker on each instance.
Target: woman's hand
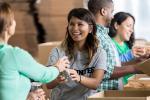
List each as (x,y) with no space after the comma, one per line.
(141,53)
(61,79)
(38,94)
(74,75)
(138,51)
(62,63)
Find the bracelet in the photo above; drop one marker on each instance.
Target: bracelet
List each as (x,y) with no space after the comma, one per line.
(80,79)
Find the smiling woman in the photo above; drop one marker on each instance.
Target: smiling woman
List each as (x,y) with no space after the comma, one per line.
(122,33)
(87,59)
(79,29)
(137,8)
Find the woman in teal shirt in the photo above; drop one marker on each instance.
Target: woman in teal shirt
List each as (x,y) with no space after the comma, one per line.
(122,34)
(17,66)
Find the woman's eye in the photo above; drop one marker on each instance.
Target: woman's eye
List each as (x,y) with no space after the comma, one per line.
(128,25)
(80,24)
(71,24)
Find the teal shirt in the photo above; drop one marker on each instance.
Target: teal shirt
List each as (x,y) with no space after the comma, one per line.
(122,49)
(17,67)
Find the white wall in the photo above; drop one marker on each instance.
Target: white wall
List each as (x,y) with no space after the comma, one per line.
(140,9)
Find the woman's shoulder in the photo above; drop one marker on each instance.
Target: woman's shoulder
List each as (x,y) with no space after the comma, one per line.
(15,51)
(58,51)
(99,53)
(19,51)
(100,50)
(14,48)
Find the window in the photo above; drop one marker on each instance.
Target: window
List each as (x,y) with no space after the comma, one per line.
(140,9)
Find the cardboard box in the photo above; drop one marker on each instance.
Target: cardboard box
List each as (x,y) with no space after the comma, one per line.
(59,7)
(121,95)
(44,51)
(55,32)
(144,66)
(143,78)
(138,82)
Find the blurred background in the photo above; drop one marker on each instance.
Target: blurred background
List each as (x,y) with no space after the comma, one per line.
(40,21)
(140,9)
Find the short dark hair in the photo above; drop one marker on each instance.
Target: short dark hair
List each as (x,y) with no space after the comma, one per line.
(95,5)
(119,18)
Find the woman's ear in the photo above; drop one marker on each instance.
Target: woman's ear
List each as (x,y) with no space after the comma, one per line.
(116,25)
(6,30)
(9,31)
(90,28)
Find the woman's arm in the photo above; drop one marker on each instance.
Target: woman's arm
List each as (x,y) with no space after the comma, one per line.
(89,82)
(124,70)
(28,67)
(56,82)
(53,58)
(93,82)
(96,78)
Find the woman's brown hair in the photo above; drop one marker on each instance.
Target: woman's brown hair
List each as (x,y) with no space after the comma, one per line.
(6,16)
(91,43)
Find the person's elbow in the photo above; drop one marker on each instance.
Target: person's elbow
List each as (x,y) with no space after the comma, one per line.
(96,84)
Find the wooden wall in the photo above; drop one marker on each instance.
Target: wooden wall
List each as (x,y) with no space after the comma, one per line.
(52,15)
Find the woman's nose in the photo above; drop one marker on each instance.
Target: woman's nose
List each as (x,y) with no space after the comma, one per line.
(131,30)
(75,27)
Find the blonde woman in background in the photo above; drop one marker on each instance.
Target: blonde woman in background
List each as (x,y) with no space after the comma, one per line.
(17,66)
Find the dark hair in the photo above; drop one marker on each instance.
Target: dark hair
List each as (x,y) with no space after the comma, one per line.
(6,16)
(119,18)
(95,5)
(91,43)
